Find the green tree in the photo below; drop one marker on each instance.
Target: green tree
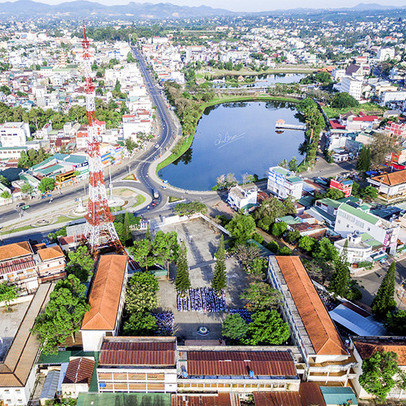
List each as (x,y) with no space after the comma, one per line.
(130,145)
(326,251)
(273,246)
(234,327)
(396,322)
(364,159)
(126,228)
(269,210)
(285,251)
(130,57)
(384,301)
(369,193)
(5,89)
(140,324)
(334,194)
(26,188)
(182,281)
(187,209)
(81,263)
(4,181)
(306,243)
(292,236)
(279,228)
(141,293)
(382,146)
(378,373)
(267,328)
(5,195)
(46,184)
(63,314)
(142,251)
(7,294)
(261,296)
(241,228)
(340,281)
(343,100)
(165,248)
(219,277)
(293,164)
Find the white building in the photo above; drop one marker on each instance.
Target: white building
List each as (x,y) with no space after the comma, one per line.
(385,54)
(284,183)
(106,301)
(356,250)
(351,86)
(350,219)
(391,186)
(14,134)
(398,96)
(243,197)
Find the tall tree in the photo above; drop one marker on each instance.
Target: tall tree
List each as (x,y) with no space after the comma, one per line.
(261,296)
(219,281)
(378,373)
(141,293)
(63,314)
(384,300)
(234,327)
(340,281)
(140,324)
(241,228)
(80,263)
(7,294)
(165,248)
(182,281)
(364,159)
(382,146)
(126,227)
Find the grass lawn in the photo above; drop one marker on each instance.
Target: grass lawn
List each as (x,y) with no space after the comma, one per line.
(10,229)
(173,199)
(365,108)
(140,200)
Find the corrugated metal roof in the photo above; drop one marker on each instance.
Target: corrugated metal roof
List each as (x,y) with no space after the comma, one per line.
(139,346)
(124,399)
(80,370)
(220,399)
(129,357)
(277,398)
(338,395)
(50,385)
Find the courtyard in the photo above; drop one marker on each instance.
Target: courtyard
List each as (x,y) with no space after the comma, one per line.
(202,241)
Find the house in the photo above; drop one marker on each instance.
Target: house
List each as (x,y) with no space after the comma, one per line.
(284,183)
(345,185)
(52,264)
(137,364)
(78,376)
(14,134)
(350,219)
(243,197)
(365,347)
(391,186)
(356,250)
(18,369)
(203,369)
(324,357)
(106,300)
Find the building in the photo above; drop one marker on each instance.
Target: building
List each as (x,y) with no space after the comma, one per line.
(386,53)
(366,347)
(137,364)
(243,197)
(52,264)
(78,376)
(106,300)
(351,86)
(345,185)
(18,369)
(324,357)
(350,219)
(284,183)
(14,134)
(235,369)
(356,250)
(396,96)
(391,186)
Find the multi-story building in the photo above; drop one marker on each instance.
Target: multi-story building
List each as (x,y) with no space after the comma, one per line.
(350,219)
(345,185)
(354,248)
(243,197)
(106,300)
(391,186)
(351,86)
(324,357)
(52,264)
(14,134)
(284,183)
(137,364)
(385,54)
(235,369)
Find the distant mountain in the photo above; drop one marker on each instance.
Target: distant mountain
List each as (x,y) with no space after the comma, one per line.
(82,8)
(373,6)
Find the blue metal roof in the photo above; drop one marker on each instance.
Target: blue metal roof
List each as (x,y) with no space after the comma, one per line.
(50,385)
(338,395)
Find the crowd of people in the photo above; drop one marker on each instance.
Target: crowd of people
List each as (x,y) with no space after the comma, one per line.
(165,322)
(202,300)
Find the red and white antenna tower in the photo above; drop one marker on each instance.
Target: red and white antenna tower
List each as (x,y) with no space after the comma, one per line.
(99,231)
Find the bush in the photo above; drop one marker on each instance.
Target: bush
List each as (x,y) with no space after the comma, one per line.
(285,251)
(343,100)
(258,238)
(273,246)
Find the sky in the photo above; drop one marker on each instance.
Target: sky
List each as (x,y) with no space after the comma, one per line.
(251,5)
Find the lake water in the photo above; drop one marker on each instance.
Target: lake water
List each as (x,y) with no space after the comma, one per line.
(236,138)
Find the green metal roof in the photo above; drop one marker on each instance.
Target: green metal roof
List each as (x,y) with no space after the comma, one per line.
(289,220)
(48,160)
(51,169)
(13,149)
(369,218)
(124,399)
(368,239)
(330,202)
(63,356)
(76,159)
(338,395)
(306,201)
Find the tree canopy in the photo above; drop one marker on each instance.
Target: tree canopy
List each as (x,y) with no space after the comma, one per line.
(140,324)
(343,100)
(261,296)
(241,227)
(8,293)
(384,300)
(141,293)
(182,281)
(219,281)
(46,184)
(234,327)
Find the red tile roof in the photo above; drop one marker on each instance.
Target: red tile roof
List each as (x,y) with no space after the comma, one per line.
(319,326)
(80,370)
(50,253)
(240,363)
(104,298)
(336,125)
(18,249)
(277,398)
(391,179)
(367,347)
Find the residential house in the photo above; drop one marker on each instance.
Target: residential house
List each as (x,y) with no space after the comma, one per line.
(77,376)
(345,185)
(243,197)
(324,357)
(137,364)
(106,300)
(355,249)
(284,183)
(391,186)
(52,264)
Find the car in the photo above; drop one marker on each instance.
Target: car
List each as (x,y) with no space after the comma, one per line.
(148,207)
(25,207)
(153,204)
(156,145)
(19,205)
(163,187)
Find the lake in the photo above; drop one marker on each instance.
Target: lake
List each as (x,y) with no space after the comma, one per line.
(236,138)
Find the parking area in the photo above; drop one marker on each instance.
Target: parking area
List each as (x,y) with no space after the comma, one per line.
(9,323)
(202,240)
